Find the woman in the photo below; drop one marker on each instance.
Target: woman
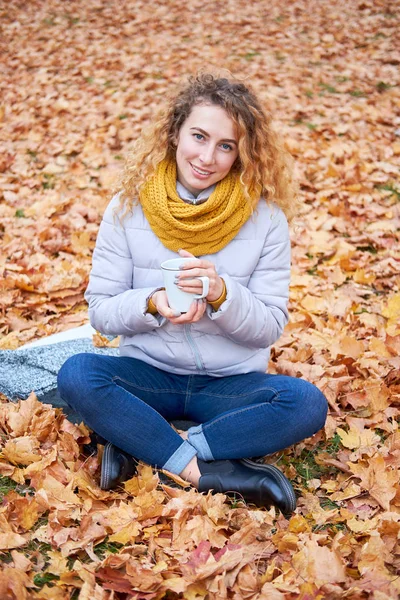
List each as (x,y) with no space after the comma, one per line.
(210,180)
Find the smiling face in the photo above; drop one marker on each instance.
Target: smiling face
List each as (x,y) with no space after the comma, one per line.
(207,147)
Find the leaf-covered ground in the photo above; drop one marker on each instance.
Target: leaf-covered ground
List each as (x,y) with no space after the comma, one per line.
(79,80)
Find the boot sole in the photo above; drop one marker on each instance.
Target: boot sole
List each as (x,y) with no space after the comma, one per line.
(105,466)
(280,479)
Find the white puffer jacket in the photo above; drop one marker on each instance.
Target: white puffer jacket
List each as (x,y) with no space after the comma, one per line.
(235,339)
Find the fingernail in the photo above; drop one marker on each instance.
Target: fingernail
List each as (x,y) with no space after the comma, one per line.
(177,313)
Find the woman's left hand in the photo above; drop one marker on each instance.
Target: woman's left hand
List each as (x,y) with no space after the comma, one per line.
(187,282)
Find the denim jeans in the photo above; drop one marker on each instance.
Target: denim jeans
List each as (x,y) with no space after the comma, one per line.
(131,404)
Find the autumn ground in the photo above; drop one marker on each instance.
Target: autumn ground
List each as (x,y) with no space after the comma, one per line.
(79,80)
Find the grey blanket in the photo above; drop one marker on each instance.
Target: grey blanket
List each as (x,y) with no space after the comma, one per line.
(35,369)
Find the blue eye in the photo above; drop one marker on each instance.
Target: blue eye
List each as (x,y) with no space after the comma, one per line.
(226,146)
(198,136)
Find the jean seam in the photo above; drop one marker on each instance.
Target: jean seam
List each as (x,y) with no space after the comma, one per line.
(251,393)
(188,394)
(233,413)
(144,389)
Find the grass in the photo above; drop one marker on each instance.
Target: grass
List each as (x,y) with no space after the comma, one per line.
(42,578)
(6,485)
(390,188)
(49,183)
(306,465)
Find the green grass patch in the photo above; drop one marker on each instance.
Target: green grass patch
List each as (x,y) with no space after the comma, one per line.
(6,485)
(106,547)
(328,88)
(306,465)
(49,182)
(382,86)
(251,55)
(388,187)
(42,578)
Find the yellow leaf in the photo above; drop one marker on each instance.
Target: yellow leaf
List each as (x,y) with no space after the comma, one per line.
(360,276)
(379,481)
(314,304)
(342,250)
(356,438)
(350,491)
(298,524)
(349,440)
(361,526)
(331,171)
(378,396)
(22,450)
(347,346)
(319,564)
(101,341)
(127,534)
(379,347)
(10,540)
(392,313)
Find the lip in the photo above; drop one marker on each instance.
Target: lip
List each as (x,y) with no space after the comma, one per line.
(200,175)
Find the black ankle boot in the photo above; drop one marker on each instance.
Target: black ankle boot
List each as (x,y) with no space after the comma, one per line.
(259,484)
(116,467)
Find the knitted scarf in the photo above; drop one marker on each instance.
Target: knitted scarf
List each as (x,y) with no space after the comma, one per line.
(200,229)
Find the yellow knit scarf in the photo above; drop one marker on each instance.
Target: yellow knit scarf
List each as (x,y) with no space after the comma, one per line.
(202,229)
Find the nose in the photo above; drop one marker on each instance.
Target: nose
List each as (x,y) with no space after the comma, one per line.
(207,155)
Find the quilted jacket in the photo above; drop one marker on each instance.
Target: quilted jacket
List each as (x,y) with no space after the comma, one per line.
(235,339)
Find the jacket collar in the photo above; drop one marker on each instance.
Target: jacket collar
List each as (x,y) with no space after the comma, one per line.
(190,198)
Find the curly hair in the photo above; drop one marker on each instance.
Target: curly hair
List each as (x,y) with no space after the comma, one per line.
(264,166)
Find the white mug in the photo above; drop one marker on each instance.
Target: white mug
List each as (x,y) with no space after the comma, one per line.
(177,299)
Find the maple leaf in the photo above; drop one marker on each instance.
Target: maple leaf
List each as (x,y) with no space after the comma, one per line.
(319,564)
(379,481)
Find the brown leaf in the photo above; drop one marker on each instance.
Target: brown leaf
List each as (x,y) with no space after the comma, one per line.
(379,481)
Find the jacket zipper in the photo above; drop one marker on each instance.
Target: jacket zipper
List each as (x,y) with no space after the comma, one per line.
(199,363)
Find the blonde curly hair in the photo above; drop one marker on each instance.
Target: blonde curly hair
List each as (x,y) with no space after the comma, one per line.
(264,166)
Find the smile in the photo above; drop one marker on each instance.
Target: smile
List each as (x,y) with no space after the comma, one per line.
(200,171)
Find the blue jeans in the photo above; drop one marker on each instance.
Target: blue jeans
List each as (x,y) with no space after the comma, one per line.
(131,404)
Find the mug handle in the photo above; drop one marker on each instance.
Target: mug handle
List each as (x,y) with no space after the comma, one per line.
(206,287)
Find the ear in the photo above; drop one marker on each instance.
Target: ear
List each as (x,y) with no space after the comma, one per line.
(175,140)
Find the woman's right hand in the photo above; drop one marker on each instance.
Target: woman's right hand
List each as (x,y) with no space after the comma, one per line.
(195,312)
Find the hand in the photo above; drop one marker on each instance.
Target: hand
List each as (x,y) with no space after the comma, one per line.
(199,268)
(195,312)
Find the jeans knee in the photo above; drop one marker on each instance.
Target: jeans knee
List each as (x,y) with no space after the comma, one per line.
(320,408)
(69,374)
(312,405)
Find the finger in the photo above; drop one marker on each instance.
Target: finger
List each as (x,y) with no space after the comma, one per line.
(185,317)
(192,286)
(193,272)
(197,263)
(193,316)
(201,308)
(185,254)
(165,310)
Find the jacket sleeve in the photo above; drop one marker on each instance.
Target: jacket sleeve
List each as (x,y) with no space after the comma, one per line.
(256,315)
(115,308)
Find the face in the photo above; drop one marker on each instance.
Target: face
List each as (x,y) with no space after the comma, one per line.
(207,147)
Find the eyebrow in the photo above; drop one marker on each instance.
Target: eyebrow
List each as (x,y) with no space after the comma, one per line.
(206,134)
